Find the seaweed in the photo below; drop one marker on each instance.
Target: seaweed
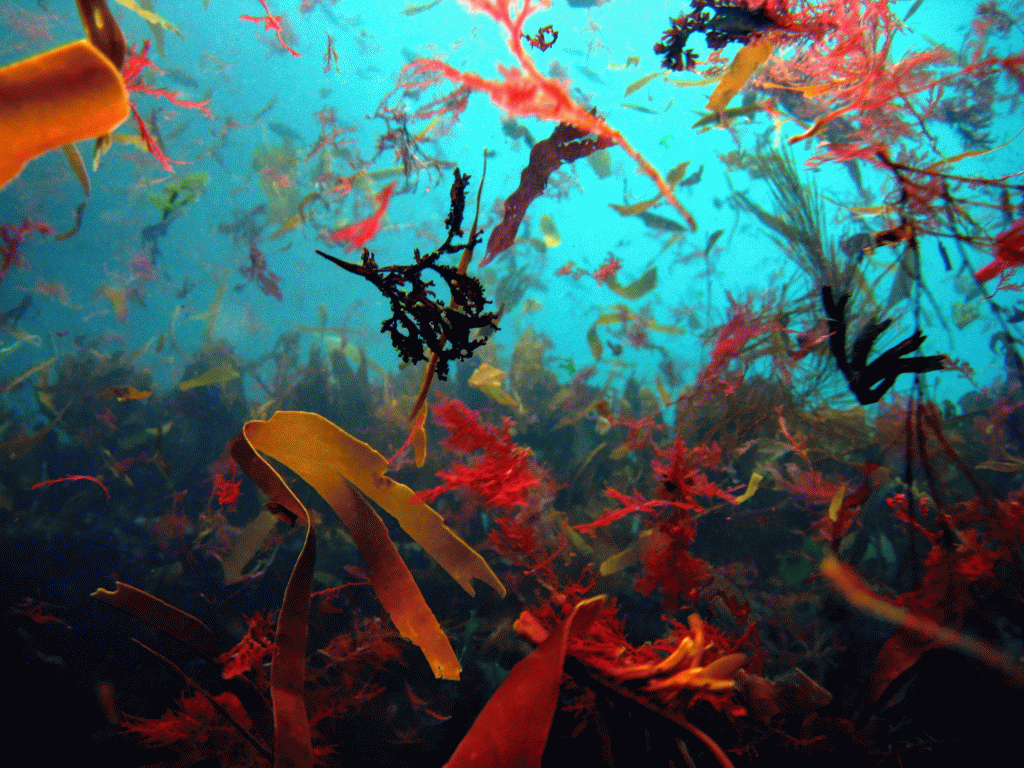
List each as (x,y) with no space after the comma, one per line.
(420,321)
(733,22)
(870,381)
(566,144)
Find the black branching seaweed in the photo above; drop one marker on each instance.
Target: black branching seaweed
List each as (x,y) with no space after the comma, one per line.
(733,22)
(870,381)
(422,323)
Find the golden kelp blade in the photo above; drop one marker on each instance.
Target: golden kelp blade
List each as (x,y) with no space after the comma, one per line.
(306,444)
(292,740)
(58,97)
(916,632)
(323,454)
(217,375)
(488,380)
(643,285)
(749,58)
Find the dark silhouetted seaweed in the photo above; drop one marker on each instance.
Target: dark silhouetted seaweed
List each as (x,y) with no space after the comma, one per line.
(870,381)
(420,319)
(733,22)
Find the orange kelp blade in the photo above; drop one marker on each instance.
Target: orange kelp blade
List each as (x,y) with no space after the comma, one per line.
(329,459)
(748,59)
(325,456)
(58,97)
(513,727)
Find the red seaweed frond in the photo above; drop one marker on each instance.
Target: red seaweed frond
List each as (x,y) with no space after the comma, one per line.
(744,326)
(11,238)
(258,272)
(199,732)
(524,92)
(227,491)
(502,476)
(357,234)
(253,650)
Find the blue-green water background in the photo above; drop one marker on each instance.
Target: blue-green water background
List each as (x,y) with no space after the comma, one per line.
(241,66)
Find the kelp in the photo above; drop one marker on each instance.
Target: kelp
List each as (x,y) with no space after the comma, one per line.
(749,58)
(328,459)
(156,22)
(915,635)
(216,375)
(74,158)
(672,178)
(512,729)
(158,614)
(55,98)
(488,380)
(636,289)
(41,368)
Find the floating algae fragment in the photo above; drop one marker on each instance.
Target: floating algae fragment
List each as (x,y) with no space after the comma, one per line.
(123,394)
(42,369)
(77,225)
(636,85)
(601,163)
(594,341)
(118,300)
(210,315)
(74,158)
(643,285)
(488,380)
(549,231)
(172,198)
(749,58)
(217,375)
(752,486)
(155,21)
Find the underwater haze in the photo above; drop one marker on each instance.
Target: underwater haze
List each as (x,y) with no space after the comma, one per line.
(512,382)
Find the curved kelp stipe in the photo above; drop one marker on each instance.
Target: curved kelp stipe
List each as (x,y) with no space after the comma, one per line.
(156,613)
(65,95)
(915,634)
(293,745)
